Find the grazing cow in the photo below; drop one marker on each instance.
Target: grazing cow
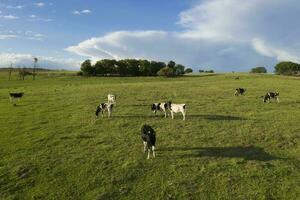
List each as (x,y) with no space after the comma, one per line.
(159,106)
(149,138)
(15,96)
(176,108)
(111,98)
(269,96)
(103,107)
(239,91)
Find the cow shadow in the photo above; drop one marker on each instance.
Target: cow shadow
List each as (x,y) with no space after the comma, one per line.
(217,117)
(245,152)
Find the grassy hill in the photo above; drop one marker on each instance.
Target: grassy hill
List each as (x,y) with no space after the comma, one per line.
(53,147)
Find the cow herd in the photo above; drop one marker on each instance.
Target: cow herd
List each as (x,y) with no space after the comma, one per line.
(168,108)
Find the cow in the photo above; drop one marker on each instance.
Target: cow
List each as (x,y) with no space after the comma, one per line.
(104,107)
(159,107)
(111,98)
(149,139)
(15,96)
(270,95)
(239,91)
(176,108)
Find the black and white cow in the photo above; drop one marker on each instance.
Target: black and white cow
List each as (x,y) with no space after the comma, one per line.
(104,107)
(269,96)
(160,107)
(15,96)
(239,91)
(149,139)
(176,108)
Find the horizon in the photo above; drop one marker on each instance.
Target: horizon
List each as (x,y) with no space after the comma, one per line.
(223,35)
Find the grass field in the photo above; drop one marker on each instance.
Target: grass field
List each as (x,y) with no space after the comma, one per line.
(53,147)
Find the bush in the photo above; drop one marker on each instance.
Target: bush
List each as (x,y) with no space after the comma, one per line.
(166,71)
(209,71)
(287,68)
(258,70)
(188,70)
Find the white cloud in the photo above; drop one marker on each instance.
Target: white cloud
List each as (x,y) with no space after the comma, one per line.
(280,54)
(44,62)
(5,37)
(9,17)
(76,12)
(15,7)
(27,35)
(222,34)
(40,4)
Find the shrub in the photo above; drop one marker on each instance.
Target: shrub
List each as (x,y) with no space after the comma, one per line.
(166,71)
(258,70)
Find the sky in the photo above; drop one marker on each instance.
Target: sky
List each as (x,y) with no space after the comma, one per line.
(224,35)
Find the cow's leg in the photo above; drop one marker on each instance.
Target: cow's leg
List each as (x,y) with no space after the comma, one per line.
(148,157)
(153,151)
(165,114)
(183,114)
(277,99)
(102,113)
(145,146)
(172,114)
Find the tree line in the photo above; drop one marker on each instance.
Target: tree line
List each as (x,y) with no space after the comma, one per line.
(132,67)
(281,68)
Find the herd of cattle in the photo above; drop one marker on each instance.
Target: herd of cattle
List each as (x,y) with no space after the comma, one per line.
(169,107)
(147,132)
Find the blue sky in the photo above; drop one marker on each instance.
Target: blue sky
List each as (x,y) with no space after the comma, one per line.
(224,35)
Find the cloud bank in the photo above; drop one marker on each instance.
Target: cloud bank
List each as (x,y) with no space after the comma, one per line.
(221,34)
(26,60)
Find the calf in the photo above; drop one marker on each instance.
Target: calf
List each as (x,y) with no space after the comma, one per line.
(103,107)
(239,91)
(269,96)
(149,138)
(111,98)
(15,96)
(159,106)
(176,108)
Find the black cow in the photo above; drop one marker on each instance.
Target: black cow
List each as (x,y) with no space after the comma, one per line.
(15,96)
(149,139)
(239,91)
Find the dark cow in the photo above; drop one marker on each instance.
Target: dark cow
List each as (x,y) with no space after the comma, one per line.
(239,91)
(269,96)
(149,139)
(15,96)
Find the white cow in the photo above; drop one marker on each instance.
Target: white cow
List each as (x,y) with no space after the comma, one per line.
(111,98)
(176,108)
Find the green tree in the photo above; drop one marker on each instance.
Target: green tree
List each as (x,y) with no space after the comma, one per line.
(171,64)
(156,66)
(99,68)
(258,70)
(179,69)
(287,68)
(145,68)
(87,68)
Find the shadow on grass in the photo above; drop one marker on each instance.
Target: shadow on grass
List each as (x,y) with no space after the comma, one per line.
(217,117)
(247,152)
(208,117)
